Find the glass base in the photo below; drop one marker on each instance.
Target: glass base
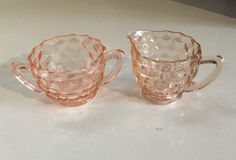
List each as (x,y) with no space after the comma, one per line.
(159,100)
(74,102)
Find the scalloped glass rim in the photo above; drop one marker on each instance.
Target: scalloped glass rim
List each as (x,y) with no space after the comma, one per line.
(130,34)
(66,73)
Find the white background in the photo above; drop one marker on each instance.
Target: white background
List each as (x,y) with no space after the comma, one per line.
(117,124)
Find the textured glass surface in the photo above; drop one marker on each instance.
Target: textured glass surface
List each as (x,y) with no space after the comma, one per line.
(164,63)
(69,69)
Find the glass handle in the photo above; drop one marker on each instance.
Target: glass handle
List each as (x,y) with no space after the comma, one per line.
(119,56)
(218,61)
(18,70)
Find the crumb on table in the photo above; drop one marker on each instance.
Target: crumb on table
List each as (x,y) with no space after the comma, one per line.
(159,129)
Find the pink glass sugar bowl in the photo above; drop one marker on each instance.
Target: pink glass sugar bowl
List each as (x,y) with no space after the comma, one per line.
(165,63)
(69,69)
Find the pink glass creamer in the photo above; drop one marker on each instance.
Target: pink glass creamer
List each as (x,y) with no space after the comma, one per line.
(165,64)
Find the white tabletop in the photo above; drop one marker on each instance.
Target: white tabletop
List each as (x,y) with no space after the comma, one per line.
(117,124)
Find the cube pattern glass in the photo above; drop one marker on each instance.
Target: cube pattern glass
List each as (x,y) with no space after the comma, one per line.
(164,63)
(68,68)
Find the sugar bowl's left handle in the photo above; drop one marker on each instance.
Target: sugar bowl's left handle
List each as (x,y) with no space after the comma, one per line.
(19,70)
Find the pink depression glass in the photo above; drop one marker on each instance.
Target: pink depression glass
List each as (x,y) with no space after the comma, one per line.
(165,64)
(69,69)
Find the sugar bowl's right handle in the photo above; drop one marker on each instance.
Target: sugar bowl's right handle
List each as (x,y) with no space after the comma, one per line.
(18,70)
(218,61)
(119,56)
